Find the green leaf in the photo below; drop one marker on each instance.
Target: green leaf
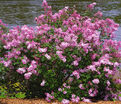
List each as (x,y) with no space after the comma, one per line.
(12,97)
(119,95)
(114,99)
(60,99)
(55,95)
(40,71)
(3,96)
(20,95)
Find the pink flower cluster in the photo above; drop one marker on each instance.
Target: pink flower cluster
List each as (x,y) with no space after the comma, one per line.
(95,81)
(49,97)
(92,92)
(75,99)
(65,101)
(91,6)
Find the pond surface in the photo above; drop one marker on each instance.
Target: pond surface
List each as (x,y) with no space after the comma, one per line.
(20,12)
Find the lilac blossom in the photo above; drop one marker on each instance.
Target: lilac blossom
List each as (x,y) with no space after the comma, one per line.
(95,81)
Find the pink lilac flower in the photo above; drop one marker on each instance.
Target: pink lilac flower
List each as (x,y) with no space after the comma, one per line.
(105,61)
(89,82)
(93,56)
(64,92)
(25,60)
(64,84)
(86,100)
(63,59)
(36,58)
(44,3)
(110,72)
(73,95)
(58,48)
(35,72)
(79,59)
(95,81)
(75,63)
(65,101)
(118,81)
(77,99)
(68,87)
(74,98)
(34,64)
(30,68)
(92,67)
(21,70)
(48,56)
(96,63)
(31,44)
(119,98)
(42,83)
(98,14)
(7,63)
(64,44)
(17,52)
(106,97)
(114,96)
(66,8)
(27,75)
(59,89)
(49,96)
(116,64)
(91,6)
(48,99)
(76,74)
(108,83)
(42,50)
(81,86)
(59,53)
(106,69)
(92,92)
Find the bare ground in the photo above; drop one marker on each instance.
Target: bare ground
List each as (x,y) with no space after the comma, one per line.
(42,101)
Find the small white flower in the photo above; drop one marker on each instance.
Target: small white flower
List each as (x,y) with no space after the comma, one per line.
(48,56)
(21,70)
(42,83)
(42,50)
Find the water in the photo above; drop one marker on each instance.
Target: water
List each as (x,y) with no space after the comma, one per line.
(20,12)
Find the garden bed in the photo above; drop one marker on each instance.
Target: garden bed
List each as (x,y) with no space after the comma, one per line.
(42,101)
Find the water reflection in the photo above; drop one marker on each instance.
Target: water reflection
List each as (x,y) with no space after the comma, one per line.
(20,12)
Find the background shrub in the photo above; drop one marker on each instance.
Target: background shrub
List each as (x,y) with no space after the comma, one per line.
(66,56)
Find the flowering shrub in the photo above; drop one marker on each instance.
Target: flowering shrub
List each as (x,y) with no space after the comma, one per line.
(67,56)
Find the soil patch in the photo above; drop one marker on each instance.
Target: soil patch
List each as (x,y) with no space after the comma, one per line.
(42,101)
